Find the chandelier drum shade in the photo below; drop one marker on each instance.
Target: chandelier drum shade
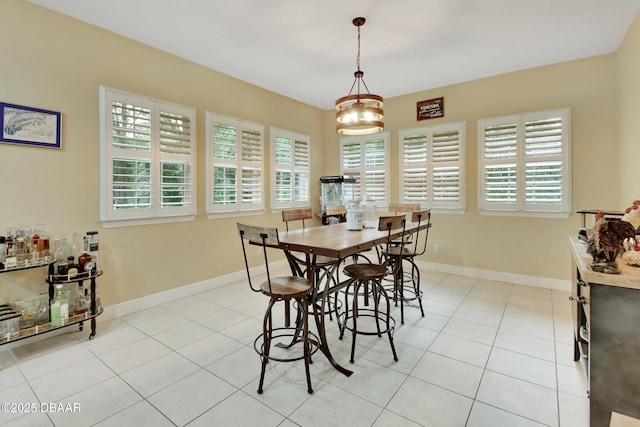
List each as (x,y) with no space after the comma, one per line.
(359,113)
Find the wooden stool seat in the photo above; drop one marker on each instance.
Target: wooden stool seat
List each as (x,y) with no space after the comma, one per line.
(289,287)
(365,271)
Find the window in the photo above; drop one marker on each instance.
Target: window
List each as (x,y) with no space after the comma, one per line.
(524,164)
(289,169)
(432,166)
(367,158)
(235,165)
(147,160)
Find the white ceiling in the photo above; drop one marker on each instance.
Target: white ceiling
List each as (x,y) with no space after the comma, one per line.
(306,50)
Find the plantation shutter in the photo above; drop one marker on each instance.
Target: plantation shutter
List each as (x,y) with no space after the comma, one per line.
(415,182)
(251,187)
(543,166)
(284,162)
(366,159)
(375,172)
(176,149)
(224,168)
(147,157)
(525,162)
(351,166)
(131,164)
(432,162)
(302,171)
(235,165)
(447,157)
(291,166)
(500,160)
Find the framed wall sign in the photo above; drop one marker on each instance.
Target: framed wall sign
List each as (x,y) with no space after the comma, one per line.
(430,109)
(29,126)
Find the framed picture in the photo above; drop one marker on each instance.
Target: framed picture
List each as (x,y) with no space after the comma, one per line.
(29,126)
(430,109)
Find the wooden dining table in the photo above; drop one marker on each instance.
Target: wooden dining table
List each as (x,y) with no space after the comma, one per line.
(335,241)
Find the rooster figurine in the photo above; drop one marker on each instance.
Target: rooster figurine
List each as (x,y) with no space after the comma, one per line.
(606,240)
(632,215)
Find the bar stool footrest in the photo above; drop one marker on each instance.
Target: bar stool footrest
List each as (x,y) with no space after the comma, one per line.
(293,339)
(344,322)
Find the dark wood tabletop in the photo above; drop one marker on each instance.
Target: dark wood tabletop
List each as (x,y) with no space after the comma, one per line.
(335,240)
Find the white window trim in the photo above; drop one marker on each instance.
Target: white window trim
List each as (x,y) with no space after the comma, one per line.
(236,210)
(444,207)
(293,168)
(521,208)
(155,214)
(381,204)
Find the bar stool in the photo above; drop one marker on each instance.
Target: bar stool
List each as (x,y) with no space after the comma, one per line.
(400,208)
(369,275)
(325,266)
(286,289)
(406,286)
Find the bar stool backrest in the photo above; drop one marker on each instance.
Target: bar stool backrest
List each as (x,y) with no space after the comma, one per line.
(404,207)
(296,215)
(260,236)
(421,217)
(391,224)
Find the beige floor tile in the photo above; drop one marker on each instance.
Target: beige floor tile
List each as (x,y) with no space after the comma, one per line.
(192,360)
(430,405)
(520,397)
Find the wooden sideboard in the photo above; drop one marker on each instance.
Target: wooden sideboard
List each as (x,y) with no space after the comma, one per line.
(606,317)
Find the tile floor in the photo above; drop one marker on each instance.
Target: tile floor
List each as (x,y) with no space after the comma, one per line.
(486,354)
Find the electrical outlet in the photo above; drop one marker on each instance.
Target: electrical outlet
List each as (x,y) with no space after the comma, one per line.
(436,248)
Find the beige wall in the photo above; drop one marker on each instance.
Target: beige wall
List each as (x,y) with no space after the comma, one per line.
(531,246)
(629,91)
(53,62)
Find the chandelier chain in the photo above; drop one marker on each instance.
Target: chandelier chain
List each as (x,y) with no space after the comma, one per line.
(358,58)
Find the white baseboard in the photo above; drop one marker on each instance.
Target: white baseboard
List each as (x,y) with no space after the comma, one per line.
(142,303)
(499,276)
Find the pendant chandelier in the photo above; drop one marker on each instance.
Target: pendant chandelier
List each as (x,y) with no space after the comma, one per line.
(359,114)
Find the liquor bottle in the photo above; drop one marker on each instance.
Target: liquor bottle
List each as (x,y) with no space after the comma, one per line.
(85,258)
(82,301)
(92,242)
(74,250)
(3,252)
(59,308)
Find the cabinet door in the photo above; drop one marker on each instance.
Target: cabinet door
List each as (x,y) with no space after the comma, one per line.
(614,353)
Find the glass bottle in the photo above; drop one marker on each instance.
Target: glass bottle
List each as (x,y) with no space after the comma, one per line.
(3,252)
(35,236)
(82,301)
(92,247)
(59,308)
(74,250)
(43,242)
(58,254)
(369,208)
(84,258)
(11,235)
(73,267)
(20,249)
